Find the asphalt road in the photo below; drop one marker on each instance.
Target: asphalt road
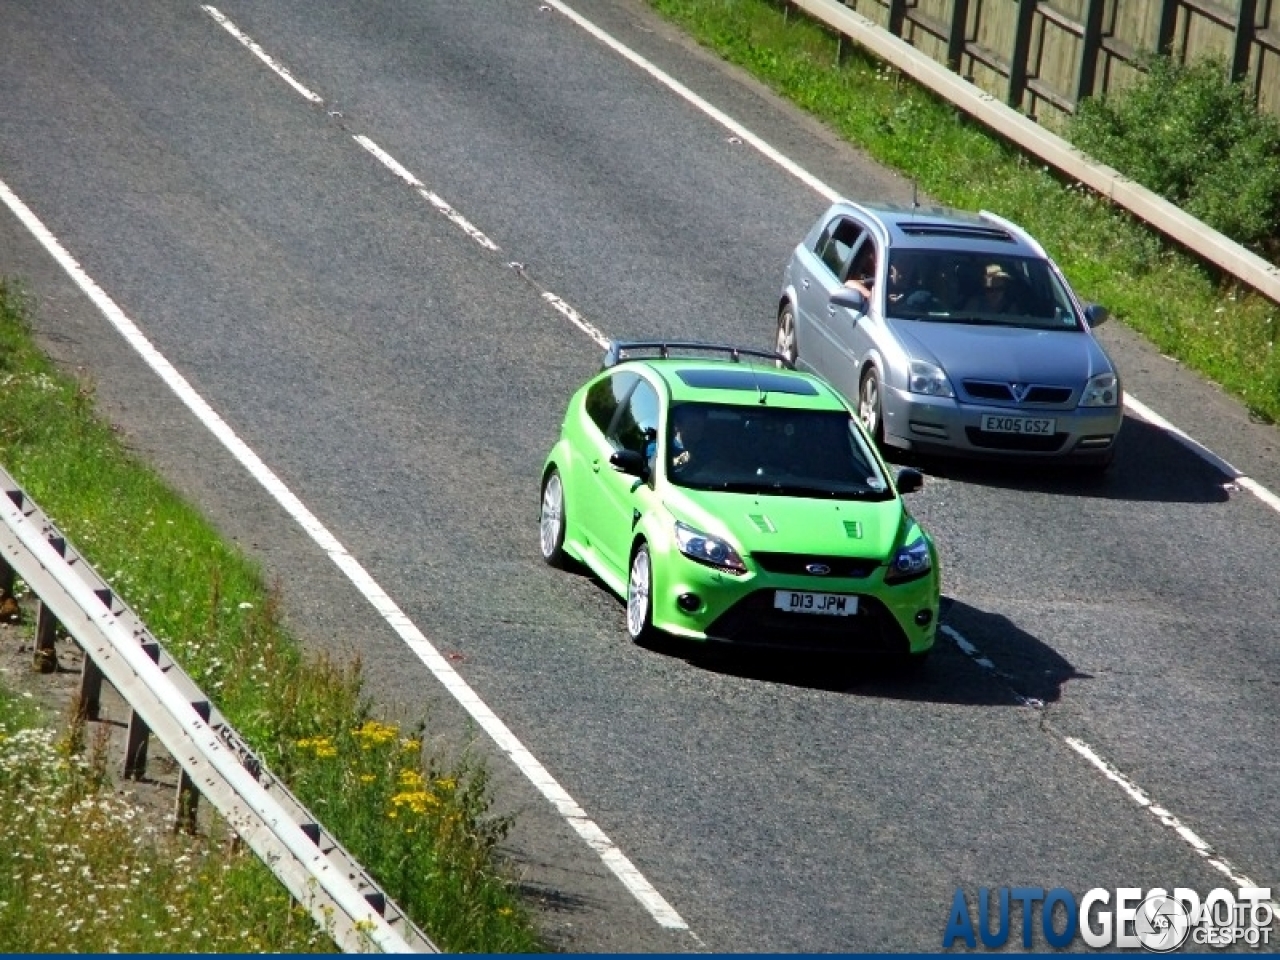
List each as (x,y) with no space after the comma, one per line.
(404,380)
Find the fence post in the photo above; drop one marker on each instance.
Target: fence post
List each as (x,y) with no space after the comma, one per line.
(958,34)
(1165,27)
(1245,26)
(1021,51)
(1090,44)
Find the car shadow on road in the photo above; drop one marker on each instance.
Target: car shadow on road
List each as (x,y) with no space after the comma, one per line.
(980,659)
(1150,465)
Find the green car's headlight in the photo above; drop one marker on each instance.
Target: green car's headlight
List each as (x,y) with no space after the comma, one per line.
(1102,390)
(909,562)
(707,549)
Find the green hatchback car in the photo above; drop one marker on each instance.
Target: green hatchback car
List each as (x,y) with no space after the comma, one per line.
(729,498)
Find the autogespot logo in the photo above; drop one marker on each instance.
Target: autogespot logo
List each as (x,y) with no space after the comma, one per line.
(1157,920)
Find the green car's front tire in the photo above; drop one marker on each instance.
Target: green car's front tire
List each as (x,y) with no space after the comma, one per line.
(640,597)
(551,521)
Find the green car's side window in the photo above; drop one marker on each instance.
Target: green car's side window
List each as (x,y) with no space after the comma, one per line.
(638,421)
(606,395)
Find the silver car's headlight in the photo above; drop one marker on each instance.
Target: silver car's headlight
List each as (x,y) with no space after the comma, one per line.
(1102,390)
(707,549)
(928,379)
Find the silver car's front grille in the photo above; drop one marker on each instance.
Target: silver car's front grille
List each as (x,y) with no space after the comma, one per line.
(1020,393)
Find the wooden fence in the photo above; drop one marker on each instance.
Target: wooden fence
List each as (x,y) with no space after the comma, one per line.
(1043,58)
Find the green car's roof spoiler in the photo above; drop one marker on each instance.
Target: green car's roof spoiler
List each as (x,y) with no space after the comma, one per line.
(620,350)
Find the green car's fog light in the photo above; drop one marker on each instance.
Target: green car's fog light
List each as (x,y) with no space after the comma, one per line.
(689,602)
(707,549)
(923,617)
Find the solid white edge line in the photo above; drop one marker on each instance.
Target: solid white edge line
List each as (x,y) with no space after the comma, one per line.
(726,121)
(430,656)
(529,765)
(1195,446)
(261,54)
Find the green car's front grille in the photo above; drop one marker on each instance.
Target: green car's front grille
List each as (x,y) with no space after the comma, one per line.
(802,564)
(754,622)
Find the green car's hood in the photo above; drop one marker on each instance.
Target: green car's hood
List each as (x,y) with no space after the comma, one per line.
(792,524)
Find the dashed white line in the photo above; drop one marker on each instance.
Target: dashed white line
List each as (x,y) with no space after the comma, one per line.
(392,164)
(1167,819)
(537,774)
(261,54)
(525,761)
(1136,406)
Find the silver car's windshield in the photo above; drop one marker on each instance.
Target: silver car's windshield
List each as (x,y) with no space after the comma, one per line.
(759,449)
(947,286)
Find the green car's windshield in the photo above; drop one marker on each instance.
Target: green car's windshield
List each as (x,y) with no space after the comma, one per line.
(775,451)
(954,286)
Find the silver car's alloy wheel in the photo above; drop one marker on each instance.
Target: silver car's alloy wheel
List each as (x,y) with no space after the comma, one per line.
(551,521)
(869,405)
(786,342)
(639,586)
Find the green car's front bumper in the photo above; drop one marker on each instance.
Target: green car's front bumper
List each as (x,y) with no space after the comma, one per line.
(693,600)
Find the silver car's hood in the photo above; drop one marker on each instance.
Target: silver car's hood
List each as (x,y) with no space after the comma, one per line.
(969,351)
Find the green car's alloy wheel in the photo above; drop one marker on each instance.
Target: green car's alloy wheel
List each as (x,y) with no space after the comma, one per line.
(639,587)
(551,521)
(869,411)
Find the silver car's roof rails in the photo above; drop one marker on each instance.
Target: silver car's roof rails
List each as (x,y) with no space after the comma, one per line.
(620,350)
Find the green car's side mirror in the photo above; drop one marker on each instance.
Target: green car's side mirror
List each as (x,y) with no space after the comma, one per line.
(630,462)
(910,480)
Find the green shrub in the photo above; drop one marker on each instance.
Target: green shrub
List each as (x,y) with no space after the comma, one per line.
(1189,134)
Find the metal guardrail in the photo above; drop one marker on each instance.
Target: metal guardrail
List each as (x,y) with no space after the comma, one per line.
(1213,246)
(216,762)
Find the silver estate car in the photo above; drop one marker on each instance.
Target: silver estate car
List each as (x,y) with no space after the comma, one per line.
(952,332)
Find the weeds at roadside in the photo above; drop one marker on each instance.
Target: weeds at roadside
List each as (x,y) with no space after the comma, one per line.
(80,871)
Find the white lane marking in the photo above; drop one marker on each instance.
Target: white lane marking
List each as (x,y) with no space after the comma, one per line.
(804,176)
(1135,793)
(261,54)
(394,165)
(1167,819)
(676,87)
(528,764)
(596,335)
(1195,446)
(576,319)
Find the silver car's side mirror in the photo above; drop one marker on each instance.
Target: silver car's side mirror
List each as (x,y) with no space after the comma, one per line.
(1095,314)
(848,297)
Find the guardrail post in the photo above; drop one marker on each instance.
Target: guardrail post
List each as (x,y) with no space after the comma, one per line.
(90,705)
(139,735)
(188,798)
(10,612)
(45,658)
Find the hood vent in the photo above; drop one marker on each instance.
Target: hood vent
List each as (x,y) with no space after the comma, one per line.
(853,529)
(763,523)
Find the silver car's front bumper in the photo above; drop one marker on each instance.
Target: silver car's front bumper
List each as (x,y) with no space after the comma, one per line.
(944,424)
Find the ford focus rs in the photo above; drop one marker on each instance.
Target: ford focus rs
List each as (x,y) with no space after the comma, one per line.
(729,499)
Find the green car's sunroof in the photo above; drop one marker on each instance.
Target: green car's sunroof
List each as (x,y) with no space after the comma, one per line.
(739,378)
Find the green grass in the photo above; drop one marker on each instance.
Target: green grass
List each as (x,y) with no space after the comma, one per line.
(421,826)
(1185,307)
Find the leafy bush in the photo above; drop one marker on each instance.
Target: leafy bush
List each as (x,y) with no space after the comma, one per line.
(1200,141)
